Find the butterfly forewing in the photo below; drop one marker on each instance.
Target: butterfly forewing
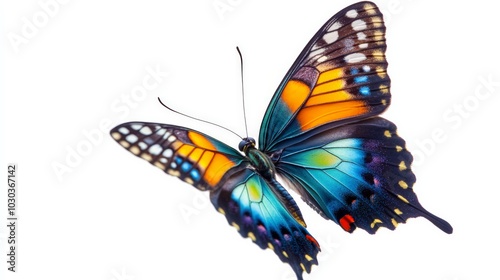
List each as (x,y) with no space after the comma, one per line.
(194,157)
(340,76)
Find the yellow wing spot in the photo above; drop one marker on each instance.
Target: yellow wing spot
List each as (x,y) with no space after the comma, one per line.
(236,226)
(125,144)
(135,150)
(403,184)
(383,89)
(370,9)
(147,157)
(308,258)
(379,36)
(384,102)
(387,134)
(402,166)
(174,172)
(159,165)
(189,181)
(252,236)
(394,223)
(399,148)
(284,254)
(303,267)
(375,221)
(270,246)
(116,135)
(377,54)
(221,211)
(381,72)
(397,211)
(377,22)
(402,198)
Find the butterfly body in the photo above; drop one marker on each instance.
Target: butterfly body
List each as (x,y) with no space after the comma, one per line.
(321,133)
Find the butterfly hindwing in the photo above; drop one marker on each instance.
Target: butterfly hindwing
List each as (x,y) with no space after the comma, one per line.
(340,76)
(357,175)
(194,157)
(247,201)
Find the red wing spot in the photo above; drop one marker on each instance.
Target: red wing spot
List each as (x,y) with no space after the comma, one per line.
(346,223)
(310,238)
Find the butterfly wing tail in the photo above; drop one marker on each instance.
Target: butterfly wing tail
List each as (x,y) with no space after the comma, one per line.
(250,206)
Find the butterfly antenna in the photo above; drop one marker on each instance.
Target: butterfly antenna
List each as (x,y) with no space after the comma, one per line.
(191,117)
(243,91)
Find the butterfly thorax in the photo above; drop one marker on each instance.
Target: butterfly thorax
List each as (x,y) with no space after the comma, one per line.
(259,160)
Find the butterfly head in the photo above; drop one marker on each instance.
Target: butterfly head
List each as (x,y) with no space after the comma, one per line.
(246,143)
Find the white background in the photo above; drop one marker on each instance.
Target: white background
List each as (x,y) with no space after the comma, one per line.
(108,215)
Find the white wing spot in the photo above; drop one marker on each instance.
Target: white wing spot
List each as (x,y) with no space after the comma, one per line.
(171,138)
(168,153)
(136,126)
(132,138)
(163,160)
(123,130)
(155,149)
(335,26)
(161,131)
(316,52)
(166,135)
(142,145)
(351,13)
(146,130)
(366,68)
(354,57)
(358,25)
(363,46)
(331,37)
(323,58)
(361,36)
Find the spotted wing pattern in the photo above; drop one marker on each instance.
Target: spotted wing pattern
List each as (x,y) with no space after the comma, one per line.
(339,77)
(194,157)
(247,201)
(357,175)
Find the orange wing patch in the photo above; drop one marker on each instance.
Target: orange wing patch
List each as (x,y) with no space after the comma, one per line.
(213,165)
(314,116)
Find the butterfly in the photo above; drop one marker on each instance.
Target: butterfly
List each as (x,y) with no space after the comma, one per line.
(321,134)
